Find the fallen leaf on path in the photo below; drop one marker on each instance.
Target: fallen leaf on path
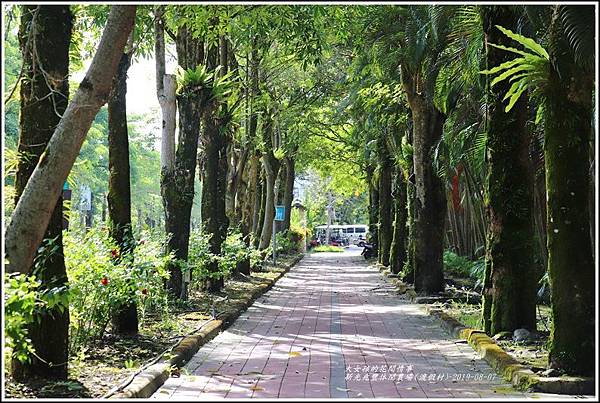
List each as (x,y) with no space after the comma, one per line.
(256,388)
(294,354)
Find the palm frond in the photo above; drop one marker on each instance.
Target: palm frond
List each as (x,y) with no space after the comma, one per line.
(578,26)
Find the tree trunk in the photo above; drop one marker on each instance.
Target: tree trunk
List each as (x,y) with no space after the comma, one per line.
(271,165)
(568,117)
(398,248)
(288,193)
(33,211)
(214,184)
(373,207)
(260,207)
(385,200)
(408,272)
(179,184)
(47,29)
(430,200)
(214,218)
(247,210)
(125,318)
(510,292)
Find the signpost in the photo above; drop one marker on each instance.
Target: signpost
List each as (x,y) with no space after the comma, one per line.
(279,216)
(66,196)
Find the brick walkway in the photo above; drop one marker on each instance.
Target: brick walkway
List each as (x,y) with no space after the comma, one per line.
(316,331)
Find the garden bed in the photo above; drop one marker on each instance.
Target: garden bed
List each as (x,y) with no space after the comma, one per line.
(112,360)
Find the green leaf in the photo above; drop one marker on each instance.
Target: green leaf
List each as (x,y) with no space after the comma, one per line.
(509,49)
(503,66)
(511,72)
(526,42)
(514,88)
(514,98)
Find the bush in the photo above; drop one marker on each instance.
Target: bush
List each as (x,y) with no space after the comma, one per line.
(463,267)
(233,250)
(101,279)
(21,300)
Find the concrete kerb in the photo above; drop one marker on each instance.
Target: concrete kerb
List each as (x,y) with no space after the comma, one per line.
(504,364)
(149,380)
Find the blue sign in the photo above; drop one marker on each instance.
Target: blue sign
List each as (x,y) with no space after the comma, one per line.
(279,213)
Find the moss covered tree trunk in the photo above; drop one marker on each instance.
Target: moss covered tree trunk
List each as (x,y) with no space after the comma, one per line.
(214,181)
(408,271)
(373,207)
(511,283)
(288,190)
(430,198)
(247,209)
(178,184)
(260,207)
(398,247)
(568,129)
(43,99)
(214,217)
(125,318)
(385,200)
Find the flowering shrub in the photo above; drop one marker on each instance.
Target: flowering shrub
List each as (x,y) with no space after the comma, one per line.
(102,279)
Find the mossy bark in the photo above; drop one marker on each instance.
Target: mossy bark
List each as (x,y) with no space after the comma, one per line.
(178,185)
(50,35)
(408,271)
(510,280)
(568,129)
(260,207)
(288,193)
(430,198)
(385,200)
(373,207)
(398,248)
(214,184)
(214,218)
(247,209)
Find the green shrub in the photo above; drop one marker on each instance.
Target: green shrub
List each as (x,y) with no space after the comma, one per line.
(26,298)
(21,300)
(463,267)
(101,279)
(233,250)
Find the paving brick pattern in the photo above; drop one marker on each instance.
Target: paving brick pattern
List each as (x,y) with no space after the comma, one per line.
(331,328)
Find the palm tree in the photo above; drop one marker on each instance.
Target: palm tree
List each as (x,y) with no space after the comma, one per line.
(562,78)
(413,37)
(510,279)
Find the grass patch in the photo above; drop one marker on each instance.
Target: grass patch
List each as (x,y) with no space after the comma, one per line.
(327,248)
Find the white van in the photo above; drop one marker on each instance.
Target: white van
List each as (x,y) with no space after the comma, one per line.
(356,233)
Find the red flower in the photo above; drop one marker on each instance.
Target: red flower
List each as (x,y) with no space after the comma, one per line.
(145,291)
(104,281)
(115,253)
